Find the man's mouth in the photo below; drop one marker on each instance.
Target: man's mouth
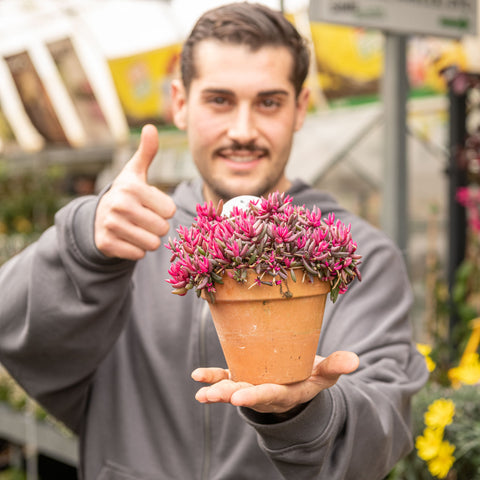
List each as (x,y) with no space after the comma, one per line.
(242,158)
(242,155)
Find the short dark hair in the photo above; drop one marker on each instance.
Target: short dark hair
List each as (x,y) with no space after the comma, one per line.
(248,24)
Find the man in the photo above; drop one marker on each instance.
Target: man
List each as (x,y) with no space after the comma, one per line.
(92,331)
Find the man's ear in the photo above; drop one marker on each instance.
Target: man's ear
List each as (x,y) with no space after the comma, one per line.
(302,107)
(179,104)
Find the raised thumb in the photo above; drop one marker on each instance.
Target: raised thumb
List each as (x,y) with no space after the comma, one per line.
(147,149)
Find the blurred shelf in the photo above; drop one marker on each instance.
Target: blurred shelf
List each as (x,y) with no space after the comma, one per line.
(50,441)
(77,159)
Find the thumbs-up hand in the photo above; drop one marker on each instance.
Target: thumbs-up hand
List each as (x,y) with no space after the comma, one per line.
(132,216)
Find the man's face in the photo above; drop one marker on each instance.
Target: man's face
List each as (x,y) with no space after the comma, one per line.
(240,116)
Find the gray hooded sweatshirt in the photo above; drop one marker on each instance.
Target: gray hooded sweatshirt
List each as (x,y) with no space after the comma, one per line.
(106,348)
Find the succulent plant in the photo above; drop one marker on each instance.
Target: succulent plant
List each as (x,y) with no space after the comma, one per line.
(270,236)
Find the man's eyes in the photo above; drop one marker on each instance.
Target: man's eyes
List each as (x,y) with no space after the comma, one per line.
(218,100)
(269,103)
(261,103)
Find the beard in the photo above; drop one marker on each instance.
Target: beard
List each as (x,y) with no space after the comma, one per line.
(265,182)
(259,188)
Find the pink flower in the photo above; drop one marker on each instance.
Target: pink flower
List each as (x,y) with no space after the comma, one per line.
(270,236)
(463,196)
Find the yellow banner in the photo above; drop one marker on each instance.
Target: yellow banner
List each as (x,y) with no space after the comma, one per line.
(350,60)
(143,81)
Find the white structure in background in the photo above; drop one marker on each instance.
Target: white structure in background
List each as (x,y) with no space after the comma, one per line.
(27,26)
(26,134)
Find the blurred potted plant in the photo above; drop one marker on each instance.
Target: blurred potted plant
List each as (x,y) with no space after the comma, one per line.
(29,202)
(272,257)
(446,414)
(446,424)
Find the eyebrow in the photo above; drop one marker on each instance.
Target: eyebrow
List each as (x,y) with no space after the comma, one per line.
(269,93)
(265,93)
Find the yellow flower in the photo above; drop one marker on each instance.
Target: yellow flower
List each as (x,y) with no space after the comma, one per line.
(426,350)
(440,413)
(442,463)
(428,444)
(22,224)
(468,372)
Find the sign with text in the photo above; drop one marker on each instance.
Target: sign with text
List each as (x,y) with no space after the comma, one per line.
(443,18)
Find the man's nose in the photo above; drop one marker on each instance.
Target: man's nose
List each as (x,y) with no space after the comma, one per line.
(242,128)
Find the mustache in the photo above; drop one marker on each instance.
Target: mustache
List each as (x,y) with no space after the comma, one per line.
(245,147)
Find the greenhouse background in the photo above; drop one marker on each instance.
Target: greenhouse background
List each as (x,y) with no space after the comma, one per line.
(79,78)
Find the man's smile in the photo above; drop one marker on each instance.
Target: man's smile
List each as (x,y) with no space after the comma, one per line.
(242,155)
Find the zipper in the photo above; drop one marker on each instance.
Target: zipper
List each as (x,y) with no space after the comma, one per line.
(207,434)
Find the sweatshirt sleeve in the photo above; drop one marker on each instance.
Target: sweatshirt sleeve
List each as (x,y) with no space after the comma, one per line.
(58,295)
(359,428)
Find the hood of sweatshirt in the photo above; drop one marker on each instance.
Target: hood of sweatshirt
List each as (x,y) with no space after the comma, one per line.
(188,194)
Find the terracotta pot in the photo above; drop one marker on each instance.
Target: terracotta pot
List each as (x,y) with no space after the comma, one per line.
(265,336)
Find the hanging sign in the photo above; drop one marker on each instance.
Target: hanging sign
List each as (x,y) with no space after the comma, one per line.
(442,18)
